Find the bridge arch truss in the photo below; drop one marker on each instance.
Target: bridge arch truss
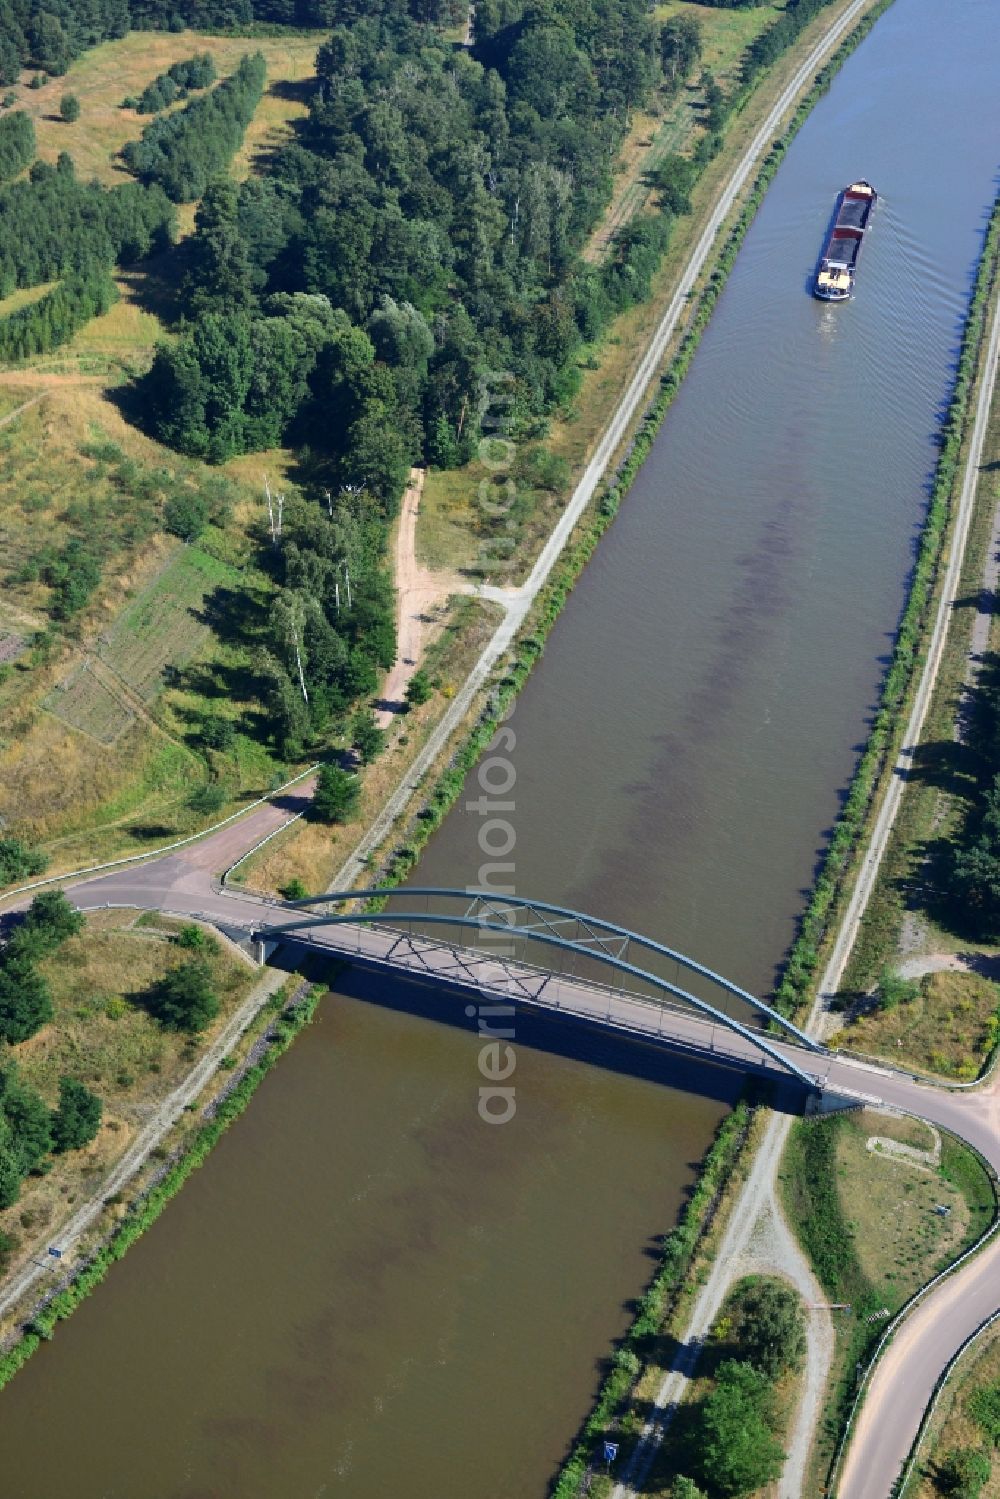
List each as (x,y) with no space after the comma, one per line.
(497,921)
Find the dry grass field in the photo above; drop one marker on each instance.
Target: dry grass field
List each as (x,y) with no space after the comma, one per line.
(949,1028)
(106,75)
(102,1035)
(60,785)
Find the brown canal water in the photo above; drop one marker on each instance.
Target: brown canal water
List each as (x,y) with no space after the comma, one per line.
(366,1290)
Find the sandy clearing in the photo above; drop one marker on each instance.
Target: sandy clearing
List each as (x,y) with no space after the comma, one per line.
(420,595)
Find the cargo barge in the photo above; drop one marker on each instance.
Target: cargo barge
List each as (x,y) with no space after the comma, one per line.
(839,260)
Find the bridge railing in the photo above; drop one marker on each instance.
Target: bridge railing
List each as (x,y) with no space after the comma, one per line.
(398,949)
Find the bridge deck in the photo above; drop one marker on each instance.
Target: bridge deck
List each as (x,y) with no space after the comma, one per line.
(504,980)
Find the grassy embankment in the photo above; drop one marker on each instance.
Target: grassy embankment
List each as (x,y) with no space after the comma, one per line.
(874,769)
(867,1221)
(103,1035)
(278,1023)
(966,1423)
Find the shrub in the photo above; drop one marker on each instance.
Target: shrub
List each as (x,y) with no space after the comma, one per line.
(984,1407)
(336,796)
(50,920)
(19,862)
(77,1119)
(185,515)
(207,799)
(69,108)
(196,939)
(218,733)
(674,178)
(893,990)
(736,1450)
(294,890)
(963,1473)
(184,999)
(25,999)
(366,736)
(419,689)
(768,1327)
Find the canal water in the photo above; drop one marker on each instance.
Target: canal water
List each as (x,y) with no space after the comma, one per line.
(367,1290)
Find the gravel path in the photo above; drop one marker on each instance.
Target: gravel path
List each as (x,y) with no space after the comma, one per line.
(757,1241)
(419,593)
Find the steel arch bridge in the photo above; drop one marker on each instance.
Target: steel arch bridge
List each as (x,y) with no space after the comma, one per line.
(565,933)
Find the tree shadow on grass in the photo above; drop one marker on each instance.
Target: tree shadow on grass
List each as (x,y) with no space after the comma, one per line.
(236,616)
(293,90)
(148,832)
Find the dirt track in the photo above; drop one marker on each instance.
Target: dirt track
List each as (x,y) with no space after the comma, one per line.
(419,594)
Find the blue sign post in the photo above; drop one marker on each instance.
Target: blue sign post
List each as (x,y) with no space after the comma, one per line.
(55,1253)
(610,1452)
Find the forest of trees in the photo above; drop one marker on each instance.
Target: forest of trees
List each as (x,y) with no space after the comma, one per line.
(175,84)
(17,143)
(185,150)
(438,203)
(51,223)
(54,318)
(49,34)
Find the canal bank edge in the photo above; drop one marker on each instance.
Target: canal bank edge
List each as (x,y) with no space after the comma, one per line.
(677,1254)
(220,1112)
